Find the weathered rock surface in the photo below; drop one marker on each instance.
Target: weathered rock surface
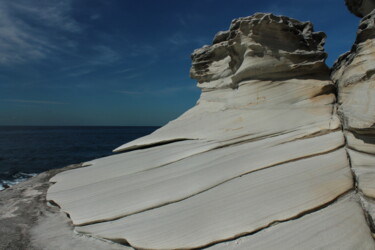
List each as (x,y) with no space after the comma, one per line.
(262,47)
(354,75)
(360,8)
(261,160)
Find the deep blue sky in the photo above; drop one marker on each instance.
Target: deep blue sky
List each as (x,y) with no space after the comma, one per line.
(125,62)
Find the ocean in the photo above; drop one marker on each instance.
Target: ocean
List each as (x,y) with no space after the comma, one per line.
(27,151)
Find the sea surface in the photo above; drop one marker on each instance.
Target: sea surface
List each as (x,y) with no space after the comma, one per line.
(27,151)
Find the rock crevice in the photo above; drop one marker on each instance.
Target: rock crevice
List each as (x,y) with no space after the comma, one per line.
(353,74)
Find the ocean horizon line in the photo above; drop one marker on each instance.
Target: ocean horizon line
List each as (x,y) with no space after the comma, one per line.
(61,126)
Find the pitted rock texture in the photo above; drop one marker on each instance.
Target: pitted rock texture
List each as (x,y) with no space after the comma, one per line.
(354,75)
(260,47)
(360,8)
(261,158)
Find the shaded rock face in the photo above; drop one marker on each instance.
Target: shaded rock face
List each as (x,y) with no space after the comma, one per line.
(360,8)
(262,46)
(354,75)
(261,160)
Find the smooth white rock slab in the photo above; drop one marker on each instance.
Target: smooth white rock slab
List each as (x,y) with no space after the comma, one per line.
(242,205)
(126,194)
(340,226)
(107,168)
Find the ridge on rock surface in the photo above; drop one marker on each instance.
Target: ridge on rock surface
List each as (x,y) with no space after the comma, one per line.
(261,159)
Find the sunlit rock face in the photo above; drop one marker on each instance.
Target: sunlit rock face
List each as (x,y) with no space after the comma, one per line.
(360,8)
(354,75)
(264,63)
(260,160)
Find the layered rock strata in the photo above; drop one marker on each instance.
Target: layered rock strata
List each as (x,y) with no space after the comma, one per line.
(260,160)
(354,75)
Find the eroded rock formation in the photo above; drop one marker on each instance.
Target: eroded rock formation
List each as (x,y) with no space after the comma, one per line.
(261,47)
(261,160)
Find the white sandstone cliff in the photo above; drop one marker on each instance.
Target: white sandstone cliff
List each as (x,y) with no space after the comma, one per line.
(260,162)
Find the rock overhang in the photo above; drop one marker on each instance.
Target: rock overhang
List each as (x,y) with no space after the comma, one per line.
(262,46)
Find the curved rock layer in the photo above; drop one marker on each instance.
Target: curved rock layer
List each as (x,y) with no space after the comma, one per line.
(354,75)
(259,160)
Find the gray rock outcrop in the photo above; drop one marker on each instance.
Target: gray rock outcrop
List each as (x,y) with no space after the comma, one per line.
(263,47)
(360,8)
